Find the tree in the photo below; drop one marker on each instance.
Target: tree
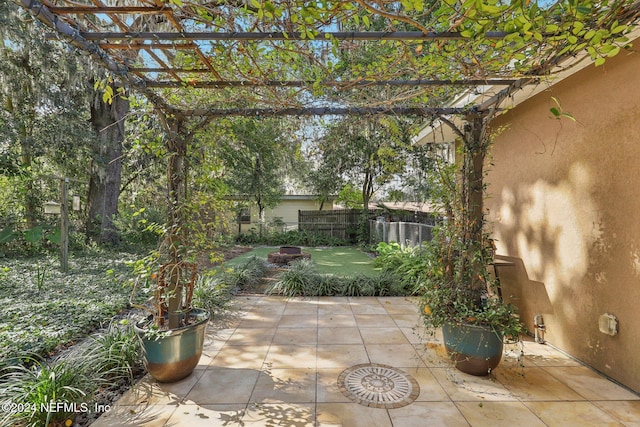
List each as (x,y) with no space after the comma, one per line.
(42,120)
(108,122)
(256,154)
(367,152)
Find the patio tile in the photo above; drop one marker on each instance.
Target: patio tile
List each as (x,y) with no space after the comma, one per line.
(339,336)
(407,320)
(413,335)
(143,416)
(375,321)
(291,356)
(337,321)
(396,355)
(351,415)
(192,415)
(279,414)
(359,308)
(498,414)
(246,336)
(223,386)
(590,384)
(285,385)
(331,306)
(268,368)
(535,384)
(626,412)
(430,388)
(296,336)
(388,336)
(149,392)
(327,386)
(241,356)
(310,310)
(571,414)
(433,355)
(341,355)
(428,414)
(298,321)
(259,322)
(462,387)
(545,355)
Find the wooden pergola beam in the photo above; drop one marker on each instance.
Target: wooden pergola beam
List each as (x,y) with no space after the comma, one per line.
(218,84)
(86,10)
(259,36)
(324,111)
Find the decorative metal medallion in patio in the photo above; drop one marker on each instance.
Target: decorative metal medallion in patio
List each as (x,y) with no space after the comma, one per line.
(378,386)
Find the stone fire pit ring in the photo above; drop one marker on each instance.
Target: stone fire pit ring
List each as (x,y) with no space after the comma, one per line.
(287,254)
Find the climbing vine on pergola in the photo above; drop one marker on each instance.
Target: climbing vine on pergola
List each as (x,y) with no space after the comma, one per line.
(198,60)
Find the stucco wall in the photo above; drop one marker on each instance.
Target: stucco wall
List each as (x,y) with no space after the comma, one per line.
(287,210)
(565,197)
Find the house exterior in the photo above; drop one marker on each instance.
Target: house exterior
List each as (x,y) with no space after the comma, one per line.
(564,207)
(285,213)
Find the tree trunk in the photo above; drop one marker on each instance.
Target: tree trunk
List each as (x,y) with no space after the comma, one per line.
(107,121)
(476,145)
(177,187)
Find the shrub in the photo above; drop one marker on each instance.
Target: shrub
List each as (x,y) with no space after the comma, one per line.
(31,388)
(113,355)
(213,293)
(292,237)
(299,279)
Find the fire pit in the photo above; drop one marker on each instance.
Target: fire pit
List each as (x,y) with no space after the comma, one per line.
(286,254)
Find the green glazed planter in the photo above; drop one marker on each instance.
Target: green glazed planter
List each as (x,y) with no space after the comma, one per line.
(475,349)
(174,356)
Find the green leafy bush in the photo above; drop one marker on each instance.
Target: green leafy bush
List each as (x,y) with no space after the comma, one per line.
(35,385)
(292,238)
(299,279)
(302,279)
(213,293)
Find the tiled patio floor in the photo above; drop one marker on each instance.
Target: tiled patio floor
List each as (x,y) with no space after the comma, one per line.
(276,361)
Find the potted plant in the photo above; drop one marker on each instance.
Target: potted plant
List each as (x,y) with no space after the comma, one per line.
(172,333)
(457,290)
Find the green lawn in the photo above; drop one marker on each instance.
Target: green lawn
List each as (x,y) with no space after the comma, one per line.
(339,261)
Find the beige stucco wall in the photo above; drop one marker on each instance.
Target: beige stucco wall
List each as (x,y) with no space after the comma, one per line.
(565,197)
(287,210)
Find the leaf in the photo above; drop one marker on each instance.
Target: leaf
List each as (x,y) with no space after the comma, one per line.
(7,235)
(599,61)
(618,29)
(555,111)
(34,235)
(54,236)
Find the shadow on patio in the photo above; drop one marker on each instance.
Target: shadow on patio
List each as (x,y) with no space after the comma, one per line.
(276,362)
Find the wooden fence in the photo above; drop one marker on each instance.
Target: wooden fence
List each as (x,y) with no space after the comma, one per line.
(340,224)
(343,223)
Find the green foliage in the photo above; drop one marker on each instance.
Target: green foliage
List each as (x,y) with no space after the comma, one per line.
(141,227)
(302,279)
(104,360)
(114,354)
(246,275)
(45,309)
(289,238)
(37,385)
(213,293)
(350,197)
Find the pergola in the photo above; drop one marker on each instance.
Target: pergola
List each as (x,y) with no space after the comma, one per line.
(206,59)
